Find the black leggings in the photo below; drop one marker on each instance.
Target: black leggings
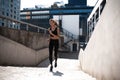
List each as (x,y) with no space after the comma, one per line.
(54,44)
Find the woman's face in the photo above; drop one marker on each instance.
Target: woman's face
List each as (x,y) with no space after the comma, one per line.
(52,23)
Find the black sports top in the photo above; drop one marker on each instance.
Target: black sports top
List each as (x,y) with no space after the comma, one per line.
(54,32)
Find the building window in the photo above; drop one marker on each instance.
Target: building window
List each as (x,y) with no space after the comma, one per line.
(2,24)
(7,14)
(15,8)
(97,14)
(11,10)
(3,13)
(22,17)
(11,15)
(11,5)
(14,17)
(15,12)
(11,0)
(40,12)
(81,31)
(40,17)
(23,13)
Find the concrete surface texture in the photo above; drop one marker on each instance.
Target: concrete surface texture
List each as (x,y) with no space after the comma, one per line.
(67,69)
(13,53)
(101,57)
(30,39)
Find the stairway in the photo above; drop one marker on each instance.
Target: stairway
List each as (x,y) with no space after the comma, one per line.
(68,69)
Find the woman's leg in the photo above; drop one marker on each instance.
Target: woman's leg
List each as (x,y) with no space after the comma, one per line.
(56,52)
(51,54)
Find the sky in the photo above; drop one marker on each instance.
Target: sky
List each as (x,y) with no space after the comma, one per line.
(32,3)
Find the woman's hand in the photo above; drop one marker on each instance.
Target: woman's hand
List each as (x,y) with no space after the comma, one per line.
(49,31)
(54,37)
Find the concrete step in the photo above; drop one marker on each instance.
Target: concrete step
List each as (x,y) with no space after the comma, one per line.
(67,69)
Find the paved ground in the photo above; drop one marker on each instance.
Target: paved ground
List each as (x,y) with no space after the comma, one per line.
(64,55)
(68,69)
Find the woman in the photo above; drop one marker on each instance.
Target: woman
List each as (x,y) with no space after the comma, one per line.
(53,41)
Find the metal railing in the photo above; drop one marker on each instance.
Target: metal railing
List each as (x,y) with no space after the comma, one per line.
(69,35)
(20,25)
(95,16)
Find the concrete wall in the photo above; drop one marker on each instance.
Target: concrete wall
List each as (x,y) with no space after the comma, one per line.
(101,58)
(30,39)
(13,53)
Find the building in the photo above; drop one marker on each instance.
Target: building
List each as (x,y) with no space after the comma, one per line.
(70,18)
(10,8)
(39,17)
(77,3)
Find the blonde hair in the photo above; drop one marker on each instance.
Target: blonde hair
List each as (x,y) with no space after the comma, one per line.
(54,22)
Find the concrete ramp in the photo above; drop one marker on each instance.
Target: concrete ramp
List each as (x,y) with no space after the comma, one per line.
(64,71)
(13,53)
(101,57)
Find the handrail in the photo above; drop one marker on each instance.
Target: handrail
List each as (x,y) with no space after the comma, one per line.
(69,34)
(28,26)
(6,19)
